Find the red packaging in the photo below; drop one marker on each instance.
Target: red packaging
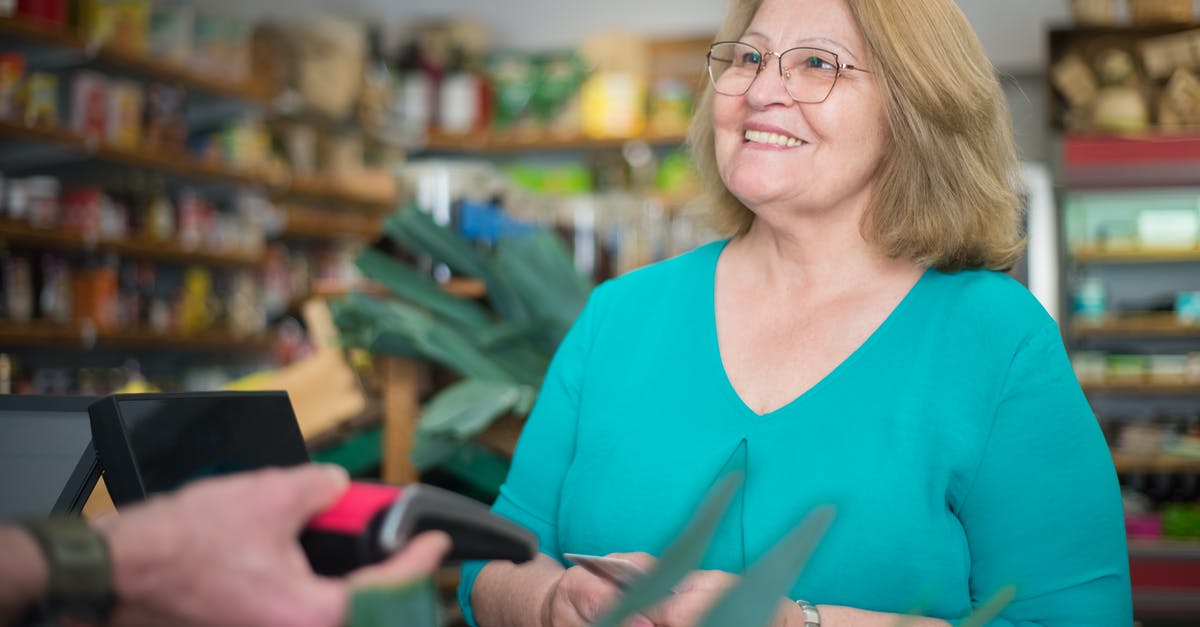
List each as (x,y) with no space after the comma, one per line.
(81,208)
(12,69)
(89,105)
(52,12)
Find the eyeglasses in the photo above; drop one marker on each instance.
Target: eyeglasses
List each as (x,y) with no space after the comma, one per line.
(808,73)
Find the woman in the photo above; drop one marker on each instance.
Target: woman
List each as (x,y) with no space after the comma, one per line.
(851,344)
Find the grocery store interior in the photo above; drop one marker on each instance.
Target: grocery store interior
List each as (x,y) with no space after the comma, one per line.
(314,197)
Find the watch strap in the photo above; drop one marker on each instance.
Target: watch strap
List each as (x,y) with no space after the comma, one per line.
(79,567)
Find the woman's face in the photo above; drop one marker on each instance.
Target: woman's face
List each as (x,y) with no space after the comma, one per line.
(779,156)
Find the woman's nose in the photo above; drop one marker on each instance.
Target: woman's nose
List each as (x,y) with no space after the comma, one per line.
(768,87)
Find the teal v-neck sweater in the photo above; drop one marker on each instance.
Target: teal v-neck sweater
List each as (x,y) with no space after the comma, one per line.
(955,444)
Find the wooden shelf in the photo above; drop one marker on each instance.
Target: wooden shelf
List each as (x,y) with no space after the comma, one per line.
(1149,388)
(1136,325)
(316,224)
(313,190)
(75,336)
(1125,463)
(1088,254)
(502,143)
(333,192)
(47,35)
(23,235)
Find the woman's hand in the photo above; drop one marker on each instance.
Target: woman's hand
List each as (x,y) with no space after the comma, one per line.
(577,598)
(695,596)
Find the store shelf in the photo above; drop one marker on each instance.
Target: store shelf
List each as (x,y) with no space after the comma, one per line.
(314,190)
(76,336)
(1136,325)
(22,235)
(334,193)
(1165,464)
(502,143)
(1095,255)
(1181,549)
(180,164)
(49,36)
(1151,388)
(315,224)
(1103,161)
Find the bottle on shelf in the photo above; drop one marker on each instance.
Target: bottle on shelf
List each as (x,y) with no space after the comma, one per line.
(415,97)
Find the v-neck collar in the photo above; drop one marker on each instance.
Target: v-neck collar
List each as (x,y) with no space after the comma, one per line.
(718,364)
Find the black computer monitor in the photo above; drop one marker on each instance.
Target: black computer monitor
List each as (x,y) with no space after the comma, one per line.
(47,462)
(150,443)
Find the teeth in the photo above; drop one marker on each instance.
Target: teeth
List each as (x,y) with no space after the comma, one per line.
(764,137)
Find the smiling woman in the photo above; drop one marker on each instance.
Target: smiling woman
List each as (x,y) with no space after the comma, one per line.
(851,344)
(951,165)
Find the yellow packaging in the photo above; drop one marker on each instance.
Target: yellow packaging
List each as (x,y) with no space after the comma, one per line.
(124,114)
(613,105)
(121,24)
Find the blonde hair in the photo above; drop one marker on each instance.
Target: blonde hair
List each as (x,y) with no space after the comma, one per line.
(946,194)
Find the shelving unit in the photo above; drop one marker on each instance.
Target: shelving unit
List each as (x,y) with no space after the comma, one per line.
(1142,388)
(61,40)
(1096,255)
(318,210)
(1160,464)
(76,336)
(311,190)
(25,236)
(1137,325)
(1108,182)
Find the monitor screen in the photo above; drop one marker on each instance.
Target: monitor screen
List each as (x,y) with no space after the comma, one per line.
(174,439)
(47,464)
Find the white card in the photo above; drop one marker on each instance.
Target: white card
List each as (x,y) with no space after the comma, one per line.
(619,571)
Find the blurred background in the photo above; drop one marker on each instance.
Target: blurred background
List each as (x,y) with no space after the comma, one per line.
(323,197)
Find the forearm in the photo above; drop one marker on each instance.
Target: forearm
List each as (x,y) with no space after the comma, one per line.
(22,571)
(839,616)
(508,595)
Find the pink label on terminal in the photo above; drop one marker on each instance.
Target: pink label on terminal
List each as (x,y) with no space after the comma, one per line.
(356,507)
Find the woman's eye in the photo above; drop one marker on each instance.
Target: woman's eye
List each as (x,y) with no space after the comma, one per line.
(817,63)
(751,58)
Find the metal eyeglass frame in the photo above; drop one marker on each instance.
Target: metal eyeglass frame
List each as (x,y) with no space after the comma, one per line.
(838,67)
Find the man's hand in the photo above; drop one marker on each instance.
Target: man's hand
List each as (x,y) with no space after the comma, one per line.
(225,551)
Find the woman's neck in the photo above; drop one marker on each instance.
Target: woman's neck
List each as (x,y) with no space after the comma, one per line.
(813,256)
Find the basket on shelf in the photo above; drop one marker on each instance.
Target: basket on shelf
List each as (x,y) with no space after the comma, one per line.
(1143,12)
(1094,12)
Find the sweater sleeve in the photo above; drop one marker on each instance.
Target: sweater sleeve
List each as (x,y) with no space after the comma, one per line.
(530,494)
(1043,514)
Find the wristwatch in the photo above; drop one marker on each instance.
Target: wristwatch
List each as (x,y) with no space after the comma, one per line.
(812,618)
(79,567)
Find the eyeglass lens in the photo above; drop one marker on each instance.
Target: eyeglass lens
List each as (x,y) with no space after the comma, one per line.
(808,73)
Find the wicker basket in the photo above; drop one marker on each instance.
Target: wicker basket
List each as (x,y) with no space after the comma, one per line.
(1143,12)
(1094,12)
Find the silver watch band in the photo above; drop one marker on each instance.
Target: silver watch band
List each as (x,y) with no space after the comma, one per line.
(812,618)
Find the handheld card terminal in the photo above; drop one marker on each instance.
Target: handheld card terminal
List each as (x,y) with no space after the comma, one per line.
(151,443)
